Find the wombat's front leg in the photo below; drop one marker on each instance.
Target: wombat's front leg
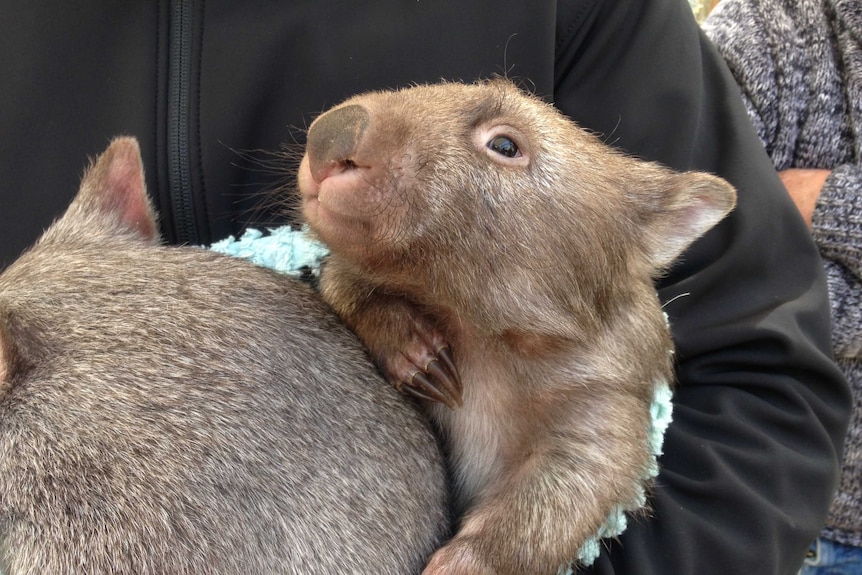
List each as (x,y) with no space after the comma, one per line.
(403,342)
(559,481)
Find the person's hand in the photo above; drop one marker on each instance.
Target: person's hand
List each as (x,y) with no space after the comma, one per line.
(804,186)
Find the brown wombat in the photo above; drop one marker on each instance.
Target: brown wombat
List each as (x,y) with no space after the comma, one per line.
(498,262)
(172,410)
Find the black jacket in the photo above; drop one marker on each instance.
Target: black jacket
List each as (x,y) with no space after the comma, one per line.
(750,459)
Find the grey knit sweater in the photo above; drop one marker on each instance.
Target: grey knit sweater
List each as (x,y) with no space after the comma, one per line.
(799,66)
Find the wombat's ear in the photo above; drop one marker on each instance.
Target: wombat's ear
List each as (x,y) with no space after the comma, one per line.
(691,204)
(113,190)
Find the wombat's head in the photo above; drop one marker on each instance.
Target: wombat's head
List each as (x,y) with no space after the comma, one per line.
(483,177)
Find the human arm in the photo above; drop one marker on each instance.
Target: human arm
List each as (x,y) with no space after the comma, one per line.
(837,218)
(804,186)
(830,203)
(794,91)
(837,229)
(757,389)
(831,199)
(769,53)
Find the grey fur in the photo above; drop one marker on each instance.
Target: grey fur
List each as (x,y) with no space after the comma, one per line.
(171,410)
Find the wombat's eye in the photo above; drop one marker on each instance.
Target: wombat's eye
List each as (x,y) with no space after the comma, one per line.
(505,146)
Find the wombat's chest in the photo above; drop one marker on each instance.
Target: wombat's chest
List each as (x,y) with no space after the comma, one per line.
(480,434)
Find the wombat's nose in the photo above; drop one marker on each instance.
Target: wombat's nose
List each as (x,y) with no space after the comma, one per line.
(333,138)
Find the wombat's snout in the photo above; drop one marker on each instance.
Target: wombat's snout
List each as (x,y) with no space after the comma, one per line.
(333,138)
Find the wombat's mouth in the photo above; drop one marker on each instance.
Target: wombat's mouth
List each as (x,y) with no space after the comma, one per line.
(340,207)
(341,190)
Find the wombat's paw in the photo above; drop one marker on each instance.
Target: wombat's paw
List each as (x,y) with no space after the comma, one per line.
(457,558)
(423,366)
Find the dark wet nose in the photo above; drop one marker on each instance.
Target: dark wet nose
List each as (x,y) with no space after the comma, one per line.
(333,138)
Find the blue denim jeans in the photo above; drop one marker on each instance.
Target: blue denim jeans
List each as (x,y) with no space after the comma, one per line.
(830,558)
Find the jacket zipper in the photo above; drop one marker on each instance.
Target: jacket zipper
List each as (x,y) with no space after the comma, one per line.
(181,37)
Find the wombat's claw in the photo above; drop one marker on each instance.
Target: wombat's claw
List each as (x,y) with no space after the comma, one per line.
(445,386)
(438,381)
(421,387)
(445,355)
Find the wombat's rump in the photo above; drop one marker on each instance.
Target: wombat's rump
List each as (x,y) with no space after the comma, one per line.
(498,262)
(171,410)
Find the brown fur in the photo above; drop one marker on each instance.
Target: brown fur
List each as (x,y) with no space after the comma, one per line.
(172,410)
(537,270)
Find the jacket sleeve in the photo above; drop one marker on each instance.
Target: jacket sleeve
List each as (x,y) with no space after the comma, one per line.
(837,230)
(738,31)
(750,460)
(765,44)
(844,294)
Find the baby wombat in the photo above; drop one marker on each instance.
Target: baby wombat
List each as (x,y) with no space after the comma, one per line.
(172,410)
(498,262)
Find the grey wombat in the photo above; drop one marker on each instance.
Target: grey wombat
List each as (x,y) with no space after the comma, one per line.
(498,262)
(171,410)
